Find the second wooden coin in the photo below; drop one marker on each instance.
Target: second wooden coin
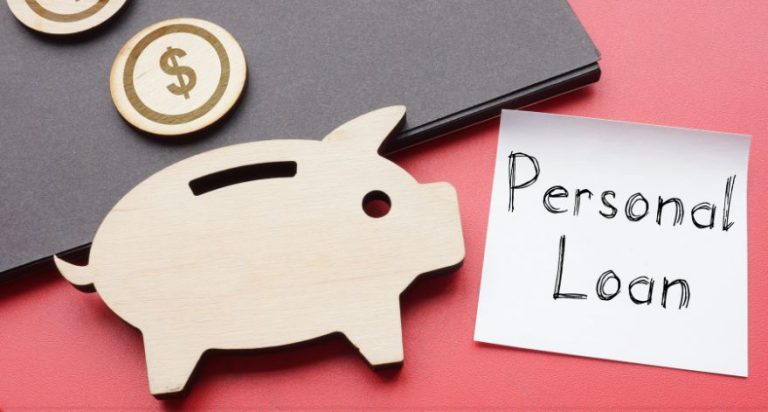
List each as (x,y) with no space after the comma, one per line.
(177,76)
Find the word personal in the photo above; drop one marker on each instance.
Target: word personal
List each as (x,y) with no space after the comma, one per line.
(557,199)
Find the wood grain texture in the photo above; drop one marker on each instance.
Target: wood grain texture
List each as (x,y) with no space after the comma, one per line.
(62,17)
(273,259)
(177,76)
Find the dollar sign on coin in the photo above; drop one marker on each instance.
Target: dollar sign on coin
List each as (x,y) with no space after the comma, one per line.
(169,65)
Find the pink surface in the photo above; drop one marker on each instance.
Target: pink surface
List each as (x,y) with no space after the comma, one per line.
(685,63)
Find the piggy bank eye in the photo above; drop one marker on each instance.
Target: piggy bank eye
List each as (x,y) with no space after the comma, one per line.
(376,204)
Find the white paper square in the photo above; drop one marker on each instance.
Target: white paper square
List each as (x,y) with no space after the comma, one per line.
(516,305)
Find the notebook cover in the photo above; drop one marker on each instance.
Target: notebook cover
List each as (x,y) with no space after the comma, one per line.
(66,155)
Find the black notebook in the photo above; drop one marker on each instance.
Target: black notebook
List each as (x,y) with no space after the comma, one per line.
(66,155)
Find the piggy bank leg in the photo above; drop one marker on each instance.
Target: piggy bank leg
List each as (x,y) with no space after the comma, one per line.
(169,365)
(378,338)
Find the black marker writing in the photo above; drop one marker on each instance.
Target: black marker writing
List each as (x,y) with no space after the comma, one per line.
(577,203)
(555,199)
(727,202)
(704,206)
(554,191)
(512,173)
(629,210)
(604,197)
(642,280)
(636,293)
(679,210)
(602,280)
(685,292)
(559,277)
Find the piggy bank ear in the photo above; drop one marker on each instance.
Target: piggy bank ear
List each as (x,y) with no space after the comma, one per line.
(368,132)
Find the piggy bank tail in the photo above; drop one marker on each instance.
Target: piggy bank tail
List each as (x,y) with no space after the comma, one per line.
(79,276)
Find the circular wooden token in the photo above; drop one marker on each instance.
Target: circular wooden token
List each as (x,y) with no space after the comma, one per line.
(177,76)
(64,16)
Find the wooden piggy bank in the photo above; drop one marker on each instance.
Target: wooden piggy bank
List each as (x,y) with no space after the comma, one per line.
(270,243)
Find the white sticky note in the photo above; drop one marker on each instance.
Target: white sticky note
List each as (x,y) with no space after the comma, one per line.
(572,252)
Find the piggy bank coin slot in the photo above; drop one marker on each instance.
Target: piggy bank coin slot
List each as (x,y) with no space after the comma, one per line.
(241,174)
(376,204)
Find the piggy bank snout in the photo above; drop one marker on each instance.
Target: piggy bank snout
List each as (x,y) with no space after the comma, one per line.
(445,229)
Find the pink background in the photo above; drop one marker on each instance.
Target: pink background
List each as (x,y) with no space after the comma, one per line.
(684,63)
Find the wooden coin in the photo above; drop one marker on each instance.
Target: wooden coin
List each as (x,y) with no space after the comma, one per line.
(177,76)
(64,16)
